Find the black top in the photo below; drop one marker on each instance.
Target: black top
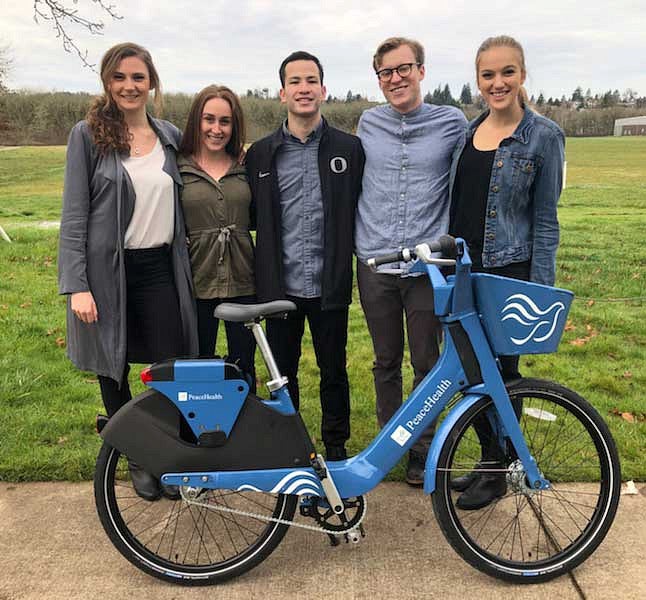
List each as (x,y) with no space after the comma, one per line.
(469,200)
(340,193)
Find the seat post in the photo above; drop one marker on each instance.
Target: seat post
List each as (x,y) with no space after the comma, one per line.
(277,380)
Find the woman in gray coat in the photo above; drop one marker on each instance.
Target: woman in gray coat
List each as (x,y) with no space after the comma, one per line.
(123,260)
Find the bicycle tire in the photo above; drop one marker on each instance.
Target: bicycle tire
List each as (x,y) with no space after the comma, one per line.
(570,442)
(183,543)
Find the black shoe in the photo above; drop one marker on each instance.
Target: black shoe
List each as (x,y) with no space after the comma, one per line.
(460,484)
(415,469)
(335,453)
(146,486)
(170,491)
(483,491)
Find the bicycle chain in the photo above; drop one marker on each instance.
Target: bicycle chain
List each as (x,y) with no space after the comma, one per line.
(245,513)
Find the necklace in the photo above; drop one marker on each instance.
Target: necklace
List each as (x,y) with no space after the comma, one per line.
(136,149)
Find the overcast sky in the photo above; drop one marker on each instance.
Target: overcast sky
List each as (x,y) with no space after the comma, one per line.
(597,45)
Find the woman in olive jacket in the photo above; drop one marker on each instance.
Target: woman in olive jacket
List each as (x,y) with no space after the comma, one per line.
(111,255)
(216,199)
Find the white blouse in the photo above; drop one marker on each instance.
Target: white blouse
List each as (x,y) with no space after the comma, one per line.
(153,220)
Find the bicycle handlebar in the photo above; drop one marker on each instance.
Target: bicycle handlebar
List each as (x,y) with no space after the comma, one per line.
(445,244)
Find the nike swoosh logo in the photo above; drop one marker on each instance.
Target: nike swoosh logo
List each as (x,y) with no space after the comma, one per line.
(261,175)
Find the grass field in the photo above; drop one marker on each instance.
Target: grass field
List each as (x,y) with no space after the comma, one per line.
(47,407)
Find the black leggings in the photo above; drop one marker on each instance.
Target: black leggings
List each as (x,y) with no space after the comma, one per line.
(491,450)
(153,319)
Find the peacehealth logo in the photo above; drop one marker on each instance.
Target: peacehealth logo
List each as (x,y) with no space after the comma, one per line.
(401,435)
(184,396)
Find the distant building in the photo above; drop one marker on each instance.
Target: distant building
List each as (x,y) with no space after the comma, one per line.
(631,126)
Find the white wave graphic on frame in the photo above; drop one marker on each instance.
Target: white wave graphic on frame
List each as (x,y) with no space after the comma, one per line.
(297,482)
(523,310)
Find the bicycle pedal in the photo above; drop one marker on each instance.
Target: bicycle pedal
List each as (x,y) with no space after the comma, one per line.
(355,535)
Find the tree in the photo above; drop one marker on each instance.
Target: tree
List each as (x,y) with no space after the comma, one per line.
(577,95)
(64,18)
(541,100)
(465,94)
(5,67)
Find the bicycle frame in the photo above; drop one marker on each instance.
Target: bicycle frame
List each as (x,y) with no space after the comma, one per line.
(467,365)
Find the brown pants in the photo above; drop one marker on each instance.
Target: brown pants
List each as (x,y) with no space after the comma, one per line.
(385,299)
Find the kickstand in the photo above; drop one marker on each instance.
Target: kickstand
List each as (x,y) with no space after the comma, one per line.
(334,540)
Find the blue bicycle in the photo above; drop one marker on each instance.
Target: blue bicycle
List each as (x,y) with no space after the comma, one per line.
(243,465)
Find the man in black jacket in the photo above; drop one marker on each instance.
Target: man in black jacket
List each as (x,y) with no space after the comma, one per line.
(305,180)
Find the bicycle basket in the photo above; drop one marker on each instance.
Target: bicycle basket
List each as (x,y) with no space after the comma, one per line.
(520,317)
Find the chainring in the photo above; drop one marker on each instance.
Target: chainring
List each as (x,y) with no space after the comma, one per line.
(322,513)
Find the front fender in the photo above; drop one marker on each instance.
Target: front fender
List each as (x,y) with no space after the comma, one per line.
(440,437)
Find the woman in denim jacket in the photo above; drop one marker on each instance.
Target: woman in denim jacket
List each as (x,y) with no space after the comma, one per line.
(506,179)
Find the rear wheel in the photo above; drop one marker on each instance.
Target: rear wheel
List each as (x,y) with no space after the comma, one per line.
(180,542)
(528,536)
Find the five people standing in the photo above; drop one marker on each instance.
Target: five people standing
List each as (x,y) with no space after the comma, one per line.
(315,195)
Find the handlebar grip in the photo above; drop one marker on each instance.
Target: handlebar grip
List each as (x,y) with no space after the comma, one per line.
(447,245)
(404,255)
(384,259)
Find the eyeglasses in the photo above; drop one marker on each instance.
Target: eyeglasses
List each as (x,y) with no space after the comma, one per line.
(402,70)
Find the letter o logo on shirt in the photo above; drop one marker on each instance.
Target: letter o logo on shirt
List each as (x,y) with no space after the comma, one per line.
(338,164)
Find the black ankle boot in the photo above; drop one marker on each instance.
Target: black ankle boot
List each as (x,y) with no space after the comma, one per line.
(146,485)
(335,453)
(415,469)
(483,491)
(460,484)
(170,491)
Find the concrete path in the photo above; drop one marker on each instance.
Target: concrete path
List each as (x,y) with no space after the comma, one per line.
(52,546)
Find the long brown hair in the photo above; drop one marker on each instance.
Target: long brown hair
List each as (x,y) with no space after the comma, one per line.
(190,143)
(505,41)
(106,120)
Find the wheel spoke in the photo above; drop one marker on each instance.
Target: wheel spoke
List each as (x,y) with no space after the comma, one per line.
(572,449)
(190,538)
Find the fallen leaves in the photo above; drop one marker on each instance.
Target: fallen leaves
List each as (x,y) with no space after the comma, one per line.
(629,417)
(60,342)
(581,341)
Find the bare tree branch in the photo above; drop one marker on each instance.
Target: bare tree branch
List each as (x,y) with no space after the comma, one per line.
(63,17)
(6,62)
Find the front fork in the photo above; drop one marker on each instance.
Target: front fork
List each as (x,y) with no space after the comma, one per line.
(507,422)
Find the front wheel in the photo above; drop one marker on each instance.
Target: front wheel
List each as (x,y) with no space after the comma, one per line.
(529,536)
(183,542)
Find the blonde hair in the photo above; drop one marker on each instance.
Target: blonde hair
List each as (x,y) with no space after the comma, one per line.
(505,41)
(393,43)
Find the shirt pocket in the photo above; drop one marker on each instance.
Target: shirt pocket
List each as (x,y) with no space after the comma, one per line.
(523,173)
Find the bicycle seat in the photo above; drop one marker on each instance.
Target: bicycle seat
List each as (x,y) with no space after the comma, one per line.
(229,311)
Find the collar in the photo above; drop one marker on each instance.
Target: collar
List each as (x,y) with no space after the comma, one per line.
(277,137)
(412,113)
(163,135)
(522,131)
(315,133)
(186,164)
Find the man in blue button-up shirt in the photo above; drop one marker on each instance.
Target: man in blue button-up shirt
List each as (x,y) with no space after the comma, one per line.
(405,201)
(305,180)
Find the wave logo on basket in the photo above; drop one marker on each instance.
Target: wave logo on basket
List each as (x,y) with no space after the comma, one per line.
(296,482)
(537,324)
